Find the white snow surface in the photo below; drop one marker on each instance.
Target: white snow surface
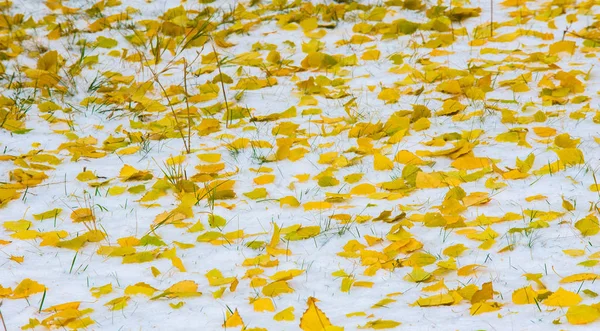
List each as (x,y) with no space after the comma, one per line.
(68,275)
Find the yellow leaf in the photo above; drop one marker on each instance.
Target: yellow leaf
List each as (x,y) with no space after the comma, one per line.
(564,140)
(303,232)
(63,306)
(309,24)
(486,293)
(80,323)
(435,300)
(358,313)
(389,95)
(417,275)
(219,293)
(285,315)
(467,270)
(363,189)
(116,190)
(5,292)
(574,252)
(104,42)
(129,173)
(536,197)
(49,62)
(276,288)
(524,296)
(562,298)
(312,205)
(47,214)
(118,303)
(353,178)
(383,303)
(289,200)
(579,278)
(588,226)
(286,274)
(562,46)
(570,156)
(439,286)
(177,263)
(85,176)
(470,163)
(347,284)
(309,100)
(258,193)
(26,288)
(327,181)
(382,163)
(428,180)
(182,289)
(7,195)
(313,318)
(484,307)
(420,259)
(264,179)
(371,55)
(407,157)
(589,263)
(451,107)
(128,150)
(140,288)
(544,132)
(83,215)
(176,305)
(327,158)
(582,314)
(263,304)
(215,278)
(233,320)
(216,221)
(450,87)
(209,157)
(18,259)
(101,290)
(380,324)
(422,124)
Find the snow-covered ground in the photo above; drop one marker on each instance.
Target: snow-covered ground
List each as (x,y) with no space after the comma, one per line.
(285,165)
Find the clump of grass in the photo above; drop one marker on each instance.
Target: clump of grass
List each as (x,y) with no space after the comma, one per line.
(219,63)
(186,146)
(2,318)
(91,224)
(175,174)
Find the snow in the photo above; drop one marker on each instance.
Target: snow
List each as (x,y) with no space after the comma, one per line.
(68,275)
